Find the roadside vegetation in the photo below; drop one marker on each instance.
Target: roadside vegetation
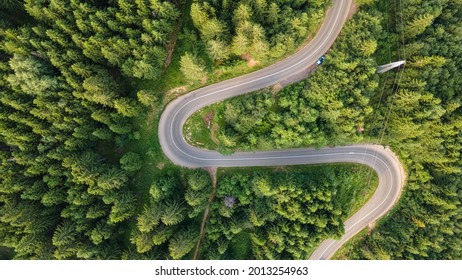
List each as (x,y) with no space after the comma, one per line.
(83,84)
(67,104)
(218,40)
(415,110)
(82,173)
(329,108)
(421,111)
(285,212)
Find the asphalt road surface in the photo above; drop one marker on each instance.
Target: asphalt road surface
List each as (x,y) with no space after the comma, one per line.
(382,160)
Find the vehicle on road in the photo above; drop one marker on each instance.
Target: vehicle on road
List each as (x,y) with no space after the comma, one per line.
(382,160)
(320,60)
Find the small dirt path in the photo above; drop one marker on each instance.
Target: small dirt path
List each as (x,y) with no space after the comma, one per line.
(213,174)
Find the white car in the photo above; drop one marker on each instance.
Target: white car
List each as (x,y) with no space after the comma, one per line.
(320,60)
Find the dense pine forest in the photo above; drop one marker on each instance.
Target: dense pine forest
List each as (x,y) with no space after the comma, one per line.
(415,110)
(423,117)
(224,39)
(83,177)
(328,108)
(67,104)
(283,214)
(255,29)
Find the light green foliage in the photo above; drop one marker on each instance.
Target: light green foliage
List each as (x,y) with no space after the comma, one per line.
(172,213)
(182,242)
(418,25)
(126,107)
(101,89)
(161,234)
(142,240)
(146,97)
(198,192)
(149,218)
(218,50)
(64,235)
(286,213)
(111,179)
(256,29)
(164,219)
(31,76)
(327,108)
(162,188)
(192,68)
(123,208)
(364,2)
(101,232)
(423,127)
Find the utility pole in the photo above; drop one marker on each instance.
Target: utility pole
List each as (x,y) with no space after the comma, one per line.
(389,66)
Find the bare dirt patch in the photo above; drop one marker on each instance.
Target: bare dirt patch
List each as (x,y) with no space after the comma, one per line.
(174,92)
(160,165)
(177,90)
(276,88)
(250,61)
(214,133)
(246,56)
(204,80)
(353,9)
(208,118)
(170,48)
(370,227)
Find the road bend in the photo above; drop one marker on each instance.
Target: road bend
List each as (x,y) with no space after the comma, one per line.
(381,159)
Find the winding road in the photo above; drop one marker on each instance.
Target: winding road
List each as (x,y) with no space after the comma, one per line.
(381,159)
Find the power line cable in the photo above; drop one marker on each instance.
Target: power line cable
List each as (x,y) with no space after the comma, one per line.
(396,80)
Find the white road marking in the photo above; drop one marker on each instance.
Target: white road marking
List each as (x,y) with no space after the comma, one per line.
(186,99)
(253,81)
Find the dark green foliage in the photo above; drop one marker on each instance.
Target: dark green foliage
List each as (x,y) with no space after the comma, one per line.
(417,112)
(66,112)
(254,29)
(68,100)
(131,162)
(424,124)
(164,225)
(328,108)
(284,214)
